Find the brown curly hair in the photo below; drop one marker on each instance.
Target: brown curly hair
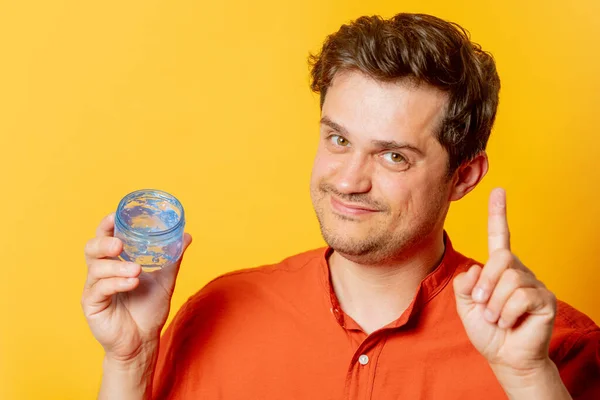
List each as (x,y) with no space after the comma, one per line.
(421,48)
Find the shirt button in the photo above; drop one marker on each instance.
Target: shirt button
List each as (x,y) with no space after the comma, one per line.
(363,360)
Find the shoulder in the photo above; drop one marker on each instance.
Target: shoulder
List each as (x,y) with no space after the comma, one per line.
(575,349)
(290,268)
(568,317)
(572,328)
(250,287)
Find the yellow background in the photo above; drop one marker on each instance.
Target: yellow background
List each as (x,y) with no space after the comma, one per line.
(210,101)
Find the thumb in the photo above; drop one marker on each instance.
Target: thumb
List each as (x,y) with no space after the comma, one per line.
(187,240)
(463,285)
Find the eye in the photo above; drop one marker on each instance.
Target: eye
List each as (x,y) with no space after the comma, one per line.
(338,140)
(394,158)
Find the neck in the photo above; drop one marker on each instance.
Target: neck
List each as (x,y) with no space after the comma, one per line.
(375,295)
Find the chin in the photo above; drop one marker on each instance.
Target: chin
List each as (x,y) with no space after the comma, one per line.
(368,247)
(352,242)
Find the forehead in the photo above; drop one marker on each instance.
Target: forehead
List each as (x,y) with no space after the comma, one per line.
(372,109)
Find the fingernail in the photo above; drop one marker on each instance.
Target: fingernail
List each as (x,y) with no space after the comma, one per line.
(489,315)
(114,245)
(478,294)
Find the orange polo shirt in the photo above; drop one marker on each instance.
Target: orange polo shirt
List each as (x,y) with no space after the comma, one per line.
(277,332)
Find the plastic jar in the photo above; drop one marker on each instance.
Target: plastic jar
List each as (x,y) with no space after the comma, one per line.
(150,223)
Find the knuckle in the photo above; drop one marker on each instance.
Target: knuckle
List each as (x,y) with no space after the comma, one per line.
(93,271)
(89,247)
(552,298)
(520,296)
(84,299)
(506,256)
(513,277)
(101,286)
(503,257)
(107,242)
(512,308)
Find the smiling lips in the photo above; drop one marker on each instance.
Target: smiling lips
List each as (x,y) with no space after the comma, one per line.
(350,209)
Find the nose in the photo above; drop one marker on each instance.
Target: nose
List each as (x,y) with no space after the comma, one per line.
(353,175)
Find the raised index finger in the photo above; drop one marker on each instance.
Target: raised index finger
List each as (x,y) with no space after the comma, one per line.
(498,233)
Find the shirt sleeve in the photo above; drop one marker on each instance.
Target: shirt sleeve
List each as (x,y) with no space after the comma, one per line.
(580,366)
(186,339)
(167,370)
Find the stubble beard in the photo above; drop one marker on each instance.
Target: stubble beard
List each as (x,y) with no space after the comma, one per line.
(379,241)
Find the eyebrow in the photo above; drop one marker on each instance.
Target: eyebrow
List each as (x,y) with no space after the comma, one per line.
(380,144)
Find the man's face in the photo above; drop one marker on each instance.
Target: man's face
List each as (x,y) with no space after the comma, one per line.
(378,152)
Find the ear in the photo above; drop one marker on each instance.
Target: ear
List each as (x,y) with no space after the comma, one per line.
(468,175)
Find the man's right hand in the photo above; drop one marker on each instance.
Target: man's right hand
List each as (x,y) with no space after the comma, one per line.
(125,308)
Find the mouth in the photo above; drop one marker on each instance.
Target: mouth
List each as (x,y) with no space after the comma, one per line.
(350,209)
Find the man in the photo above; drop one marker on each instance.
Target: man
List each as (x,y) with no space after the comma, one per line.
(388,309)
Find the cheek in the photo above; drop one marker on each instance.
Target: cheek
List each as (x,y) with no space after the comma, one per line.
(390,191)
(408,195)
(394,190)
(324,166)
(427,197)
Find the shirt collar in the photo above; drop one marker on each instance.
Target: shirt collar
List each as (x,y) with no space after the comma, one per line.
(429,287)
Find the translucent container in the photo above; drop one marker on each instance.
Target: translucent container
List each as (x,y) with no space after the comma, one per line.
(150,223)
